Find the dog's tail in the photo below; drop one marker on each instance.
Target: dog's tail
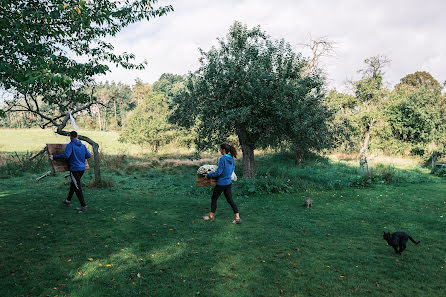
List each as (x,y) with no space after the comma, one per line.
(416,242)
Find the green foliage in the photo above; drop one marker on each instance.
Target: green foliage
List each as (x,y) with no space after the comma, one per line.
(147,125)
(42,41)
(169,84)
(415,115)
(140,91)
(441,172)
(420,79)
(344,131)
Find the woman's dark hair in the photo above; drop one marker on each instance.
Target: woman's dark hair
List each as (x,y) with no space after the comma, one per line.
(229,149)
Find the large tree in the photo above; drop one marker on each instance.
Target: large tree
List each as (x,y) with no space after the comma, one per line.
(243,87)
(53,49)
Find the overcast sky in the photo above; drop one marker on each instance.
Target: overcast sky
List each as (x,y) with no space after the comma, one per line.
(411,33)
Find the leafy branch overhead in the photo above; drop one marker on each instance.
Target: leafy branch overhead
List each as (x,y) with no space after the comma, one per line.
(42,41)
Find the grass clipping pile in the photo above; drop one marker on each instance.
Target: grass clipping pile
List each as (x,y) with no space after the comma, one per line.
(202,181)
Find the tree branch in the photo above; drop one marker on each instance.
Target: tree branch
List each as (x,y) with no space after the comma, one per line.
(39,153)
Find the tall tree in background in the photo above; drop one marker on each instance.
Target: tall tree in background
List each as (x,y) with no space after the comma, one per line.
(370,93)
(416,112)
(242,87)
(169,84)
(41,42)
(140,90)
(116,98)
(420,79)
(147,125)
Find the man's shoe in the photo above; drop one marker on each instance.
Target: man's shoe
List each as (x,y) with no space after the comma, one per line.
(83,208)
(66,203)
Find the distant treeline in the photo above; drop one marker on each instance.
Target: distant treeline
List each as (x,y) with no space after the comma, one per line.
(407,119)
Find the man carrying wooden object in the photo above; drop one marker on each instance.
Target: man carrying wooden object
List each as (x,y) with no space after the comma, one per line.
(76,153)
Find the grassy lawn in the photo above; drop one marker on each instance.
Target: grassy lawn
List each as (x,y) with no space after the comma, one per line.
(145,237)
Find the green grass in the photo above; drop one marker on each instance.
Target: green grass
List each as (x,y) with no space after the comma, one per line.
(145,236)
(281,249)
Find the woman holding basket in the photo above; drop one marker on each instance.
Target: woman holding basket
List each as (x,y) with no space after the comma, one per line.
(226,167)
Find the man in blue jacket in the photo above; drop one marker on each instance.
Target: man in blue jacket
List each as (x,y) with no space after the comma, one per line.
(76,153)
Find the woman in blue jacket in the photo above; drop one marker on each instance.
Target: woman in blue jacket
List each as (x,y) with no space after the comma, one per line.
(224,172)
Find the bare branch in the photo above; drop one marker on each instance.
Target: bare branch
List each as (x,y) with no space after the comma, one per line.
(321,47)
(67,116)
(45,175)
(375,66)
(39,153)
(35,102)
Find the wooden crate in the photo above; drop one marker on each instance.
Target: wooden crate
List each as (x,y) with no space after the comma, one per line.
(203,181)
(60,165)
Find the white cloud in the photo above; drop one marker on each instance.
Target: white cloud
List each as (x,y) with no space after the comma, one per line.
(409,32)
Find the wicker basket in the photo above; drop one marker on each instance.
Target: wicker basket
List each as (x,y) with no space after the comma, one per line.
(203,181)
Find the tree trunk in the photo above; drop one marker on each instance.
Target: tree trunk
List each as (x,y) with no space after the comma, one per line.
(99,119)
(116,118)
(105,120)
(434,159)
(299,157)
(363,153)
(97,161)
(96,158)
(248,154)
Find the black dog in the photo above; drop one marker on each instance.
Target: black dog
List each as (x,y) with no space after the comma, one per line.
(398,240)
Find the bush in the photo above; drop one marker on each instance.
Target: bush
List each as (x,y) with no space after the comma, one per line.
(17,165)
(263,185)
(441,172)
(113,161)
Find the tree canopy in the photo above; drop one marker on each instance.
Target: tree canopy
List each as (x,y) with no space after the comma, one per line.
(54,48)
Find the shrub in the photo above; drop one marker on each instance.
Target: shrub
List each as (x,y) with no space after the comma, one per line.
(113,161)
(16,165)
(441,172)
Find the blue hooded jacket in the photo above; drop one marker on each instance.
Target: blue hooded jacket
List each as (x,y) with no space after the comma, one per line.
(76,153)
(224,171)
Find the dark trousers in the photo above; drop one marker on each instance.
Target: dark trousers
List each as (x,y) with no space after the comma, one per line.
(228,194)
(76,187)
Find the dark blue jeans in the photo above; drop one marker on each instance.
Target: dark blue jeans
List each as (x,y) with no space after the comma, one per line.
(228,194)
